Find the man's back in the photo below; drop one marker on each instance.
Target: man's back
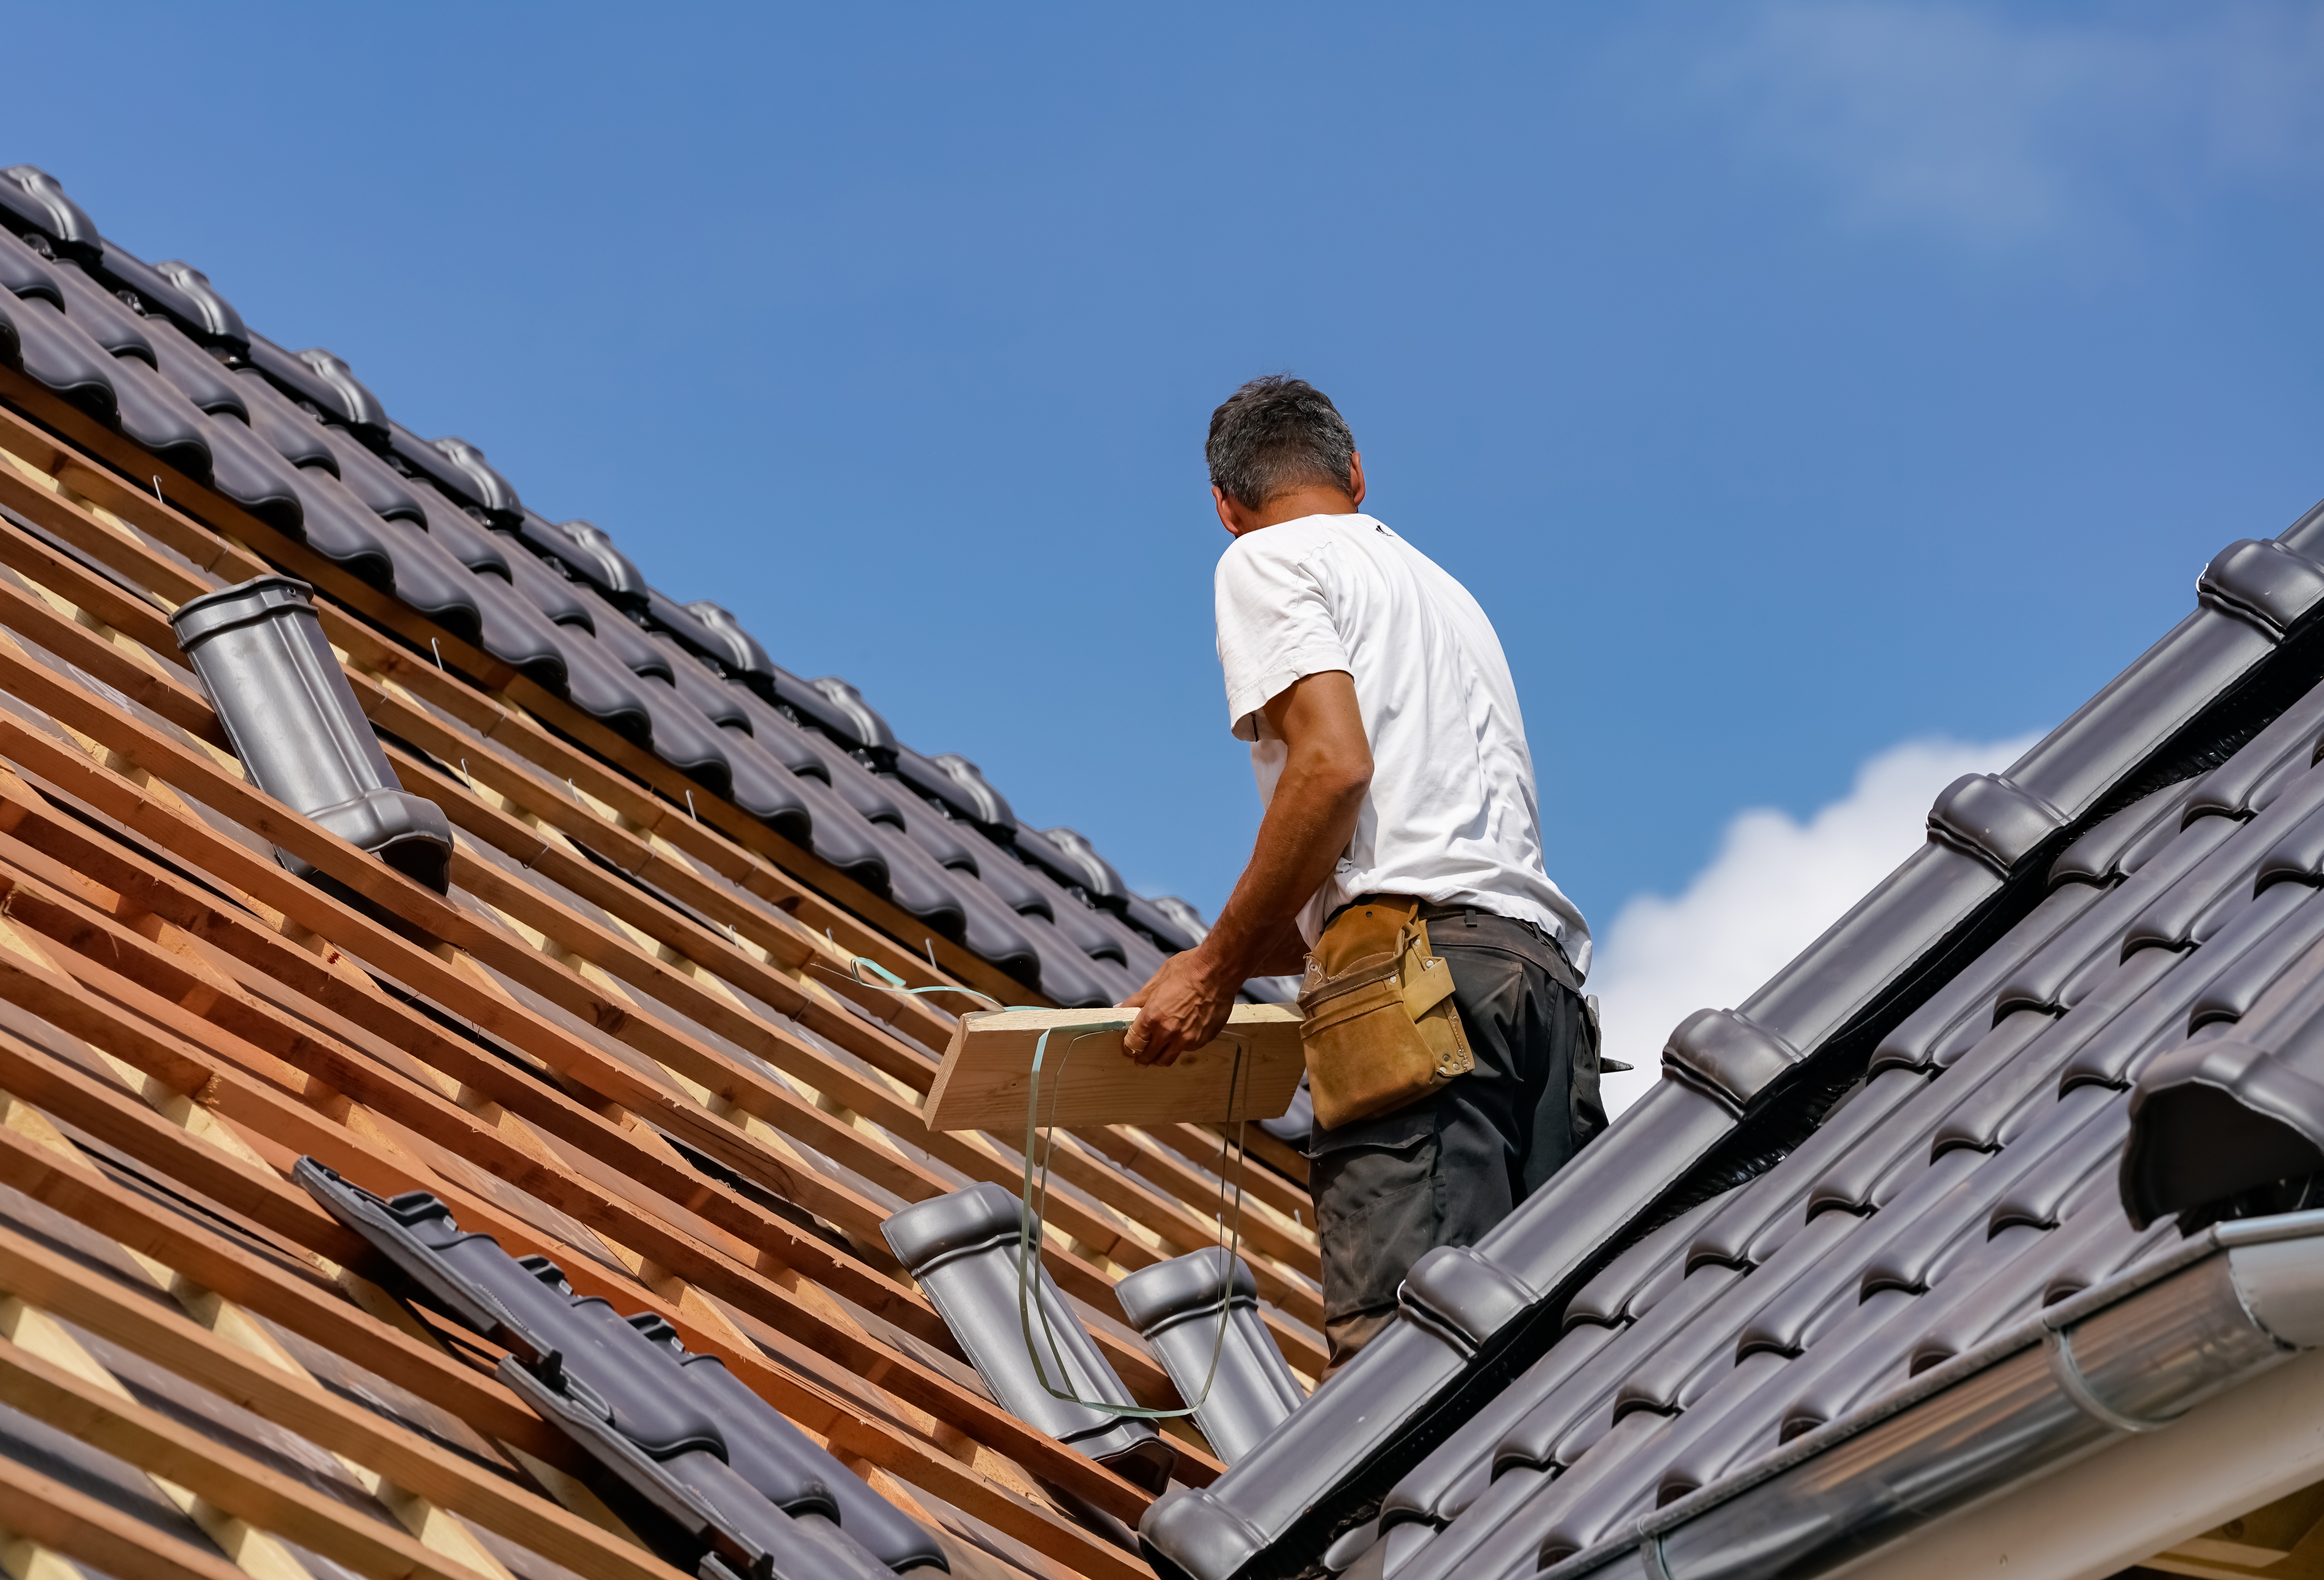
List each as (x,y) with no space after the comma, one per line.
(1391,754)
(1451,814)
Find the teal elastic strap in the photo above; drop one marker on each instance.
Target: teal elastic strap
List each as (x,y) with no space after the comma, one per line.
(1029,1230)
(1028,1222)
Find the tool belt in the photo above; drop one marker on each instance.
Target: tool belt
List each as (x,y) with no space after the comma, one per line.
(1382,1030)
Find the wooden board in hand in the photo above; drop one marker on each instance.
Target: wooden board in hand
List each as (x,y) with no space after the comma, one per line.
(1086,1079)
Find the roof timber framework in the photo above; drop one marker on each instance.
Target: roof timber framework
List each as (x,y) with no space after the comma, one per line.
(634,1042)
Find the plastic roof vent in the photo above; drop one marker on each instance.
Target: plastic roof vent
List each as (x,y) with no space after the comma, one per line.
(1175,1306)
(294,722)
(962,1250)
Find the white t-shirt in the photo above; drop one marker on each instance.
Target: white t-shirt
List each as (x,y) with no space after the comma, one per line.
(1451,815)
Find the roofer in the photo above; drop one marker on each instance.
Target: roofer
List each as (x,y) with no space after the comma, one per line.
(1401,843)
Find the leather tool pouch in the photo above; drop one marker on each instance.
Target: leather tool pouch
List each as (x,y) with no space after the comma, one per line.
(1382,1030)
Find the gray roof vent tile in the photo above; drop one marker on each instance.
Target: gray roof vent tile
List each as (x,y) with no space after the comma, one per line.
(489,488)
(36,196)
(471,484)
(962,1250)
(297,380)
(294,722)
(953,780)
(1176,1307)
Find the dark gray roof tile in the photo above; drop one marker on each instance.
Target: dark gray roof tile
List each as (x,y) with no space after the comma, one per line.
(2117,846)
(245,468)
(1441,1486)
(515,632)
(295,435)
(173,294)
(1935,1035)
(25,273)
(35,197)
(371,479)
(2251,969)
(1560,1427)
(1752,1224)
(200,377)
(103,316)
(154,414)
(1613,1298)
(57,356)
(562,601)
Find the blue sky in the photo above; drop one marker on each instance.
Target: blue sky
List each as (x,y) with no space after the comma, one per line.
(1788,381)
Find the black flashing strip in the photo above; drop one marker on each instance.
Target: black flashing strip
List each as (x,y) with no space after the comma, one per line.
(720,1474)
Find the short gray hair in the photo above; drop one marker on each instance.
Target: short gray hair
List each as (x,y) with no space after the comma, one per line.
(1275,434)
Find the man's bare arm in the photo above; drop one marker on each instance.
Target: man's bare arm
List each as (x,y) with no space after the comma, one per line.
(1327,768)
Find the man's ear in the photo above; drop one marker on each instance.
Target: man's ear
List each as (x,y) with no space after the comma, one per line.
(1356,478)
(1230,514)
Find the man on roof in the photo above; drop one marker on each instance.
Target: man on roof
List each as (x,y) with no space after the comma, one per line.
(1401,843)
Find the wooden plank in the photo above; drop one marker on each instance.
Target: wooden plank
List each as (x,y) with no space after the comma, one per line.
(72,1523)
(209,1468)
(1087,1079)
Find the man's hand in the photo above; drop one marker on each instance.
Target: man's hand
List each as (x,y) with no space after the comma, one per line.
(1327,767)
(1184,1007)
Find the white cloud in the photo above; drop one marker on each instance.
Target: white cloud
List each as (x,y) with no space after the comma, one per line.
(1772,889)
(1998,127)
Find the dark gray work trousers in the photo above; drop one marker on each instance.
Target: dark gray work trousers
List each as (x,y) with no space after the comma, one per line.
(1445,1169)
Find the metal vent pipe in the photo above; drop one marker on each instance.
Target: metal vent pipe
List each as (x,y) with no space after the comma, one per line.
(1176,1307)
(292,718)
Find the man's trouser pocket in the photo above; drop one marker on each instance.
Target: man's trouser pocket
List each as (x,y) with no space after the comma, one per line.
(1376,1210)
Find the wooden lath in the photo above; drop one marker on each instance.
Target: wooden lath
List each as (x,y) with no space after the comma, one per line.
(1181,1221)
(252,1002)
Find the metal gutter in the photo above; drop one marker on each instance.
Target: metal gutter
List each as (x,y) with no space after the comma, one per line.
(2127,1358)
